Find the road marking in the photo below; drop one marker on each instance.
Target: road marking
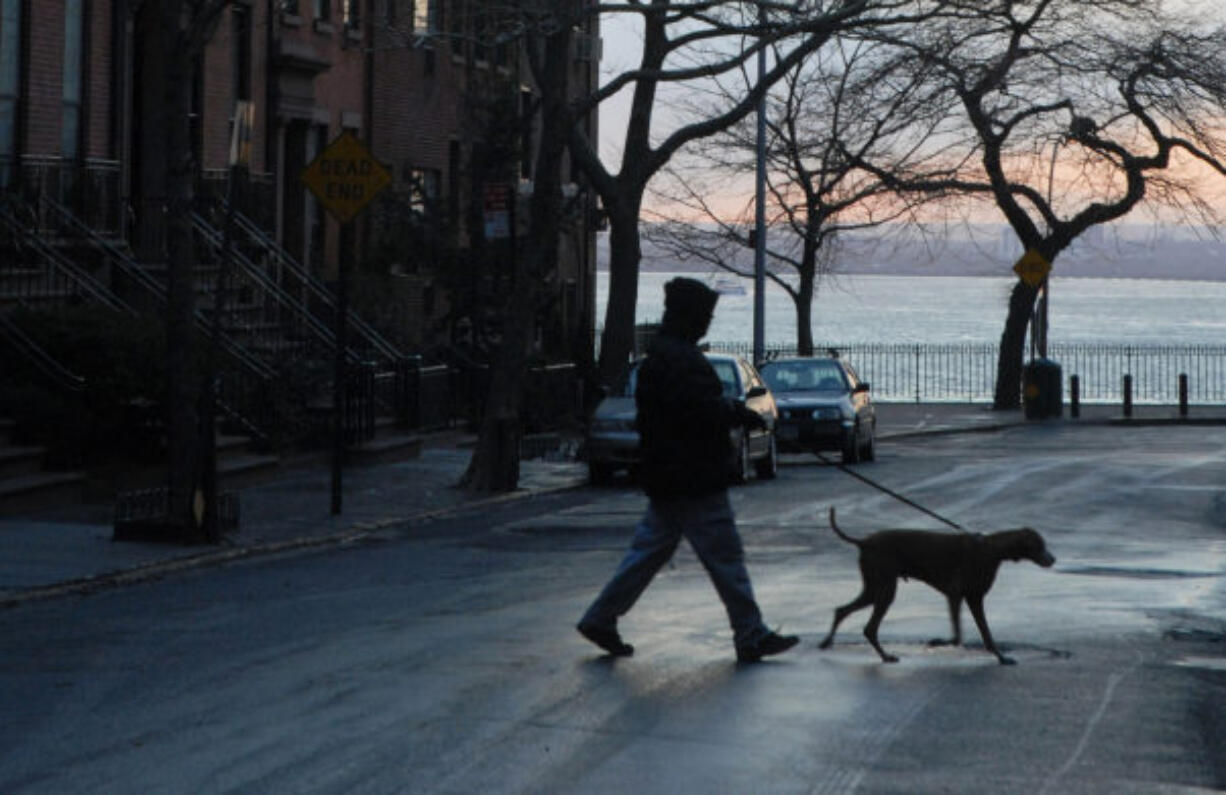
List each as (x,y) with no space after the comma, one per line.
(1112,682)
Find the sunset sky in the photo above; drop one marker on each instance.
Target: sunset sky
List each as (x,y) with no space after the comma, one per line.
(621,51)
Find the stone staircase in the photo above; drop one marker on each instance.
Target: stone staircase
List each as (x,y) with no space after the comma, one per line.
(25,485)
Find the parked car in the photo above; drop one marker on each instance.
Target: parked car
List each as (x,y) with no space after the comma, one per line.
(613,439)
(823,405)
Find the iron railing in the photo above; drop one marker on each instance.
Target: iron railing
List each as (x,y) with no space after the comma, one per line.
(89,188)
(445,396)
(244,385)
(967,372)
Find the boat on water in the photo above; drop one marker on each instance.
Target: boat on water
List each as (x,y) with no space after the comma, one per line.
(728,285)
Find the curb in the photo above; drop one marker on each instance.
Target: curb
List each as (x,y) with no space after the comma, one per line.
(156,570)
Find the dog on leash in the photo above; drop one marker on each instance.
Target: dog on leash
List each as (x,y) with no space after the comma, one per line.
(962,567)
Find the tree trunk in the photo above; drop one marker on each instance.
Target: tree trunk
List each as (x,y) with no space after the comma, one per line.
(495,462)
(183,387)
(804,301)
(1012,352)
(625,252)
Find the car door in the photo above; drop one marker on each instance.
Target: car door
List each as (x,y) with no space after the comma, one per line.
(860,399)
(763,404)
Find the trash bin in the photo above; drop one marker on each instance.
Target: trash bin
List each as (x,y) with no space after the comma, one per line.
(1042,395)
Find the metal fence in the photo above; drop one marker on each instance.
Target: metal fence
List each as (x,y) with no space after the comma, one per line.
(967,372)
(445,396)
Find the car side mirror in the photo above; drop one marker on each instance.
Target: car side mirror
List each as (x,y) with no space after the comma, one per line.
(863,387)
(755,392)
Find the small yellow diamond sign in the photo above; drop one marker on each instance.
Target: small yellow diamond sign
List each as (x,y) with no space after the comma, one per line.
(345,177)
(1032,268)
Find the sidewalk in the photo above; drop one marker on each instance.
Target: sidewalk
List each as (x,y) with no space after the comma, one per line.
(54,555)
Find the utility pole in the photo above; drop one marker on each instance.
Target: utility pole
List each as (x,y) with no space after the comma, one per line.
(759,252)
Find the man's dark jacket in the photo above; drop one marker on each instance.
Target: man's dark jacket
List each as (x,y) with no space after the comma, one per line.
(683,421)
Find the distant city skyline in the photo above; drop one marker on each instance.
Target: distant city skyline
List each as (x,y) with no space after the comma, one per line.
(1123,250)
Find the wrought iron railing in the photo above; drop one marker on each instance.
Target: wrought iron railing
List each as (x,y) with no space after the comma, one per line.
(47,366)
(245,382)
(290,276)
(967,372)
(90,189)
(445,396)
(35,272)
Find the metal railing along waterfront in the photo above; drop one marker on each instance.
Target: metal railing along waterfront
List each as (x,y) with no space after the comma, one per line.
(959,372)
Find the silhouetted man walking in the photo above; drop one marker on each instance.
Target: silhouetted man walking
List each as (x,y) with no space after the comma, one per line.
(684,422)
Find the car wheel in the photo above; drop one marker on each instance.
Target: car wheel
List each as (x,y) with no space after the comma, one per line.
(870,447)
(740,467)
(851,450)
(768,466)
(599,474)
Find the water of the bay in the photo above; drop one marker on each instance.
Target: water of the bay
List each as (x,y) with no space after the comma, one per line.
(958,309)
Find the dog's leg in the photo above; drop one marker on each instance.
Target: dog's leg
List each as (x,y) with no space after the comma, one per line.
(955,619)
(882,602)
(840,613)
(975,603)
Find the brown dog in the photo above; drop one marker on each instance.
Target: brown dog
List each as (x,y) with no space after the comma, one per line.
(962,567)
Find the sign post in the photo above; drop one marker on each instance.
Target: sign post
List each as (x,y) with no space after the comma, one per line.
(344,178)
(1033,269)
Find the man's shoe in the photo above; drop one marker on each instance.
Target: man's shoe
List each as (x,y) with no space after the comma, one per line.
(774,643)
(607,639)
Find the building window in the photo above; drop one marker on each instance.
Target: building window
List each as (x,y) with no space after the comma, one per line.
(10,86)
(74,43)
(290,7)
(423,187)
(323,10)
(241,56)
(425,16)
(353,14)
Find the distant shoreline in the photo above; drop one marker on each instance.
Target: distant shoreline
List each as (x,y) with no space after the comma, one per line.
(1098,257)
(1003,273)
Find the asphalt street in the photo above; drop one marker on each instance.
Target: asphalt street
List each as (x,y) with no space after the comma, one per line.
(439,656)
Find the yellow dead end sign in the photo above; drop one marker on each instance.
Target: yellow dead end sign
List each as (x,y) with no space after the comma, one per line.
(1032,268)
(345,177)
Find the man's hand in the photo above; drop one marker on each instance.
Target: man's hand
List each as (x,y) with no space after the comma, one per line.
(748,417)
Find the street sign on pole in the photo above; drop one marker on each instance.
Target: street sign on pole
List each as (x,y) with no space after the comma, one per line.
(1032,267)
(345,177)
(496,206)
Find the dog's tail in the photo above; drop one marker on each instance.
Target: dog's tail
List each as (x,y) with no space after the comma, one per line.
(840,533)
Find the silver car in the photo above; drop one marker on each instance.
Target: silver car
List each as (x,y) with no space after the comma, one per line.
(823,405)
(613,440)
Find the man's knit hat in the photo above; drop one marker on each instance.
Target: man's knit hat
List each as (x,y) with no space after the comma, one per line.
(689,298)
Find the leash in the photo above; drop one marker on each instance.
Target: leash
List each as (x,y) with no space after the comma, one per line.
(865,479)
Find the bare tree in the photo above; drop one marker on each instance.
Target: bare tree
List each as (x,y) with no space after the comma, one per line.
(815,192)
(685,43)
(176,32)
(495,462)
(1074,112)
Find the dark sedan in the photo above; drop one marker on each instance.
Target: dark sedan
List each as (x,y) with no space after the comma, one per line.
(823,405)
(613,441)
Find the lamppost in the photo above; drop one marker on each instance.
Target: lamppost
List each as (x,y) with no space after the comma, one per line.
(759,252)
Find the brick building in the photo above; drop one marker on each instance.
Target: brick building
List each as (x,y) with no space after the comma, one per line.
(83,94)
(433,87)
(451,103)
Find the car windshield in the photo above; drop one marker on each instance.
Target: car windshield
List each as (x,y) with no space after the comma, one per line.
(724,368)
(818,375)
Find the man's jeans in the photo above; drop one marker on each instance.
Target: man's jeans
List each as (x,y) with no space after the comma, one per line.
(708,523)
